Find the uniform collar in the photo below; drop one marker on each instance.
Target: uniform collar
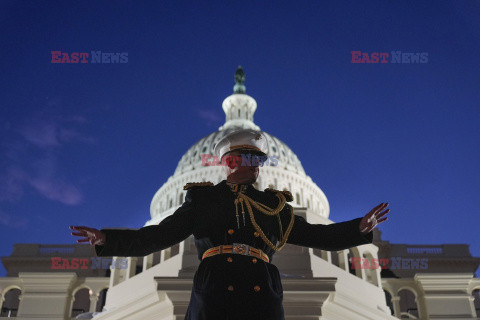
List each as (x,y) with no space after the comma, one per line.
(235,188)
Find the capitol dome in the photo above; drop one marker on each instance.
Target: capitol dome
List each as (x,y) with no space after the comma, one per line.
(191,160)
(288,174)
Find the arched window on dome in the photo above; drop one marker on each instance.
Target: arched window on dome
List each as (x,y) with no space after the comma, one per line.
(239,113)
(297,195)
(308,203)
(180,199)
(170,203)
(10,303)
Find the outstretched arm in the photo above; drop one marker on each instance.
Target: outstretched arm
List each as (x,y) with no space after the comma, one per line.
(141,242)
(331,237)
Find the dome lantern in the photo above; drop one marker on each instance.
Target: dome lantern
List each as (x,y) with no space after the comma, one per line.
(239,107)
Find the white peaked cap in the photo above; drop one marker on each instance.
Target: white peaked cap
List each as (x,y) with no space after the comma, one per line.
(245,140)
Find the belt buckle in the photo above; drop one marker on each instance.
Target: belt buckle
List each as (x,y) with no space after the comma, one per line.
(240,248)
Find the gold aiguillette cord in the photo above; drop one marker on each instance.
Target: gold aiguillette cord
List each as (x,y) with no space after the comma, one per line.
(268,211)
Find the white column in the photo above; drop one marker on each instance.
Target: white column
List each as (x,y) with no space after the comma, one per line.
(396,306)
(363,274)
(472,306)
(147,262)
(132,265)
(114,274)
(378,278)
(343,260)
(93,302)
(163,253)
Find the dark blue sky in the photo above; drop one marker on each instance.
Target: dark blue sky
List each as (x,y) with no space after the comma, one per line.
(90,144)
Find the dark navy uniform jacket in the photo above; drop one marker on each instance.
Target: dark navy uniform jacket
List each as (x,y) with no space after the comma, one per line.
(224,288)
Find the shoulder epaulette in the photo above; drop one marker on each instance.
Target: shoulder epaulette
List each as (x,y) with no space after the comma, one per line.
(286,193)
(197,184)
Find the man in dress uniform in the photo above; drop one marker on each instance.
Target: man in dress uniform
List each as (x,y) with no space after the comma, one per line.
(237,230)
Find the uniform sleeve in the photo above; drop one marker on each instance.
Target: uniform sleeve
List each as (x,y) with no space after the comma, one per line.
(332,237)
(144,241)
